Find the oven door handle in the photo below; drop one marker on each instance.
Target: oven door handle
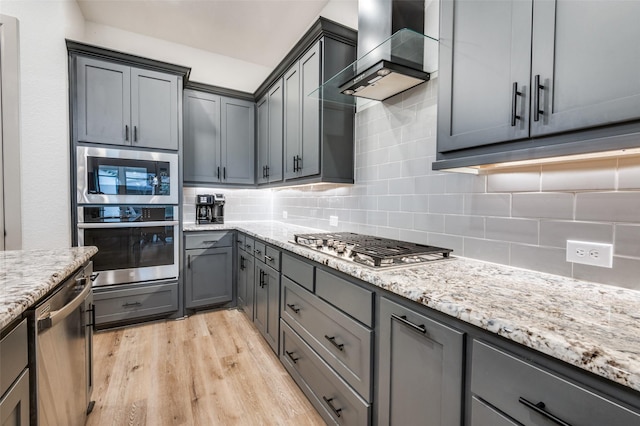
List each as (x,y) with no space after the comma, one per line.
(55,317)
(103,225)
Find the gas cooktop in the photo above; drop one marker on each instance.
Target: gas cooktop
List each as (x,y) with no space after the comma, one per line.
(372,251)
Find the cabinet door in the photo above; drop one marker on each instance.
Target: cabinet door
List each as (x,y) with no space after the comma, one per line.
(242,279)
(14,406)
(250,293)
(485,49)
(292,110)
(154,109)
(238,141)
(262,143)
(103,90)
(267,303)
(420,358)
(587,59)
(311,78)
(201,137)
(276,120)
(208,278)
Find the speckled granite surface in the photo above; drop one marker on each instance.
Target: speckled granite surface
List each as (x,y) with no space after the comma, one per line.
(27,275)
(592,326)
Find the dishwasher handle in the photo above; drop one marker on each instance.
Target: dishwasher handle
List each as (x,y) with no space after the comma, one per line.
(56,317)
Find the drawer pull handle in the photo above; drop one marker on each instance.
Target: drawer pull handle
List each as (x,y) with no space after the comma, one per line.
(537,112)
(332,339)
(130,304)
(268,258)
(540,409)
(514,102)
(329,402)
(94,276)
(248,246)
(263,282)
(291,357)
(210,242)
(293,308)
(256,251)
(403,319)
(242,259)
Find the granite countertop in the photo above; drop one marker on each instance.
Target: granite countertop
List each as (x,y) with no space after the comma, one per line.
(27,275)
(595,327)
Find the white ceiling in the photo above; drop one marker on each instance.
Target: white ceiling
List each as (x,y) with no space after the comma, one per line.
(256,31)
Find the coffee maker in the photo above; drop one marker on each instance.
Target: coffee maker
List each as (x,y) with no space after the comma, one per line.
(210,208)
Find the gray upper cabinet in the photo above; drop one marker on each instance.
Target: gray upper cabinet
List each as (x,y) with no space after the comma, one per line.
(529,79)
(103,102)
(218,139)
(420,365)
(292,112)
(270,135)
(154,109)
(490,45)
(122,105)
(237,141)
(201,136)
(588,73)
(318,135)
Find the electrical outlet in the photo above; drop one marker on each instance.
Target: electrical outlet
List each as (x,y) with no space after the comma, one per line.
(333,220)
(595,254)
(284,214)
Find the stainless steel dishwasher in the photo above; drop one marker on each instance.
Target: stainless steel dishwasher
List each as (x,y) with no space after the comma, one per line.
(62,333)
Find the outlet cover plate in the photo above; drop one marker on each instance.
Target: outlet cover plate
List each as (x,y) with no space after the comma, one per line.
(587,253)
(284,214)
(333,220)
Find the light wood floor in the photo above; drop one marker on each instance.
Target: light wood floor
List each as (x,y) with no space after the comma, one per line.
(210,369)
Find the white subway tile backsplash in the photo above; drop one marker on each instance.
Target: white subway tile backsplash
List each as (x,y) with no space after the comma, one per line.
(587,175)
(453,242)
(544,259)
(429,222)
(467,226)
(623,274)
(377,218)
(416,203)
(487,250)
(608,206)
(513,230)
(390,170)
(458,183)
(389,203)
(487,204)
(523,180)
(401,220)
(543,205)
(556,233)
(402,186)
(446,203)
(627,240)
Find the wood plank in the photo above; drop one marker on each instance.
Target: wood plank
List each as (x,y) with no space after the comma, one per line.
(212,368)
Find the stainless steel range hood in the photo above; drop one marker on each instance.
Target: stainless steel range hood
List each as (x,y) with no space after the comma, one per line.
(394,54)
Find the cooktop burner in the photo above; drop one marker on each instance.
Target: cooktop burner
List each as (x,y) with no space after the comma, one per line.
(372,251)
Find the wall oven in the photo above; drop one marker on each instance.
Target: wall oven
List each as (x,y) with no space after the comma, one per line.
(135,243)
(121,176)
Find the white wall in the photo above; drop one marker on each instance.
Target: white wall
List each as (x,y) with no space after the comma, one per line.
(44,104)
(206,67)
(344,12)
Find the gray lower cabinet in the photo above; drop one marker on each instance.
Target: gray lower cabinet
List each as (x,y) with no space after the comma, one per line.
(533,396)
(219,139)
(208,271)
(267,303)
(420,367)
(14,376)
(246,283)
(122,105)
(129,303)
(485,415)
(270,135)
(335,400)
(517,79)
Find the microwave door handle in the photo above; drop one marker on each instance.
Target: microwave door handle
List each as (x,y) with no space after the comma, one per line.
(127,224)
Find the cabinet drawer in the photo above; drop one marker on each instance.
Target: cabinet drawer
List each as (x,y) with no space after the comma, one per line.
(259,249)
(342,343)
(507,383)
(354,300)
(208,240)
(249,245)
(299,271)
(132,303)
(331,396)
(13,349)
(484,415)
(268,255)
(240,240)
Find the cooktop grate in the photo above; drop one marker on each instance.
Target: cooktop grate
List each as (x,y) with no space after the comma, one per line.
(374,251)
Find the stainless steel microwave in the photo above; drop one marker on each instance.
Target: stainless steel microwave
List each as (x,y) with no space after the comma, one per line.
(122,176)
